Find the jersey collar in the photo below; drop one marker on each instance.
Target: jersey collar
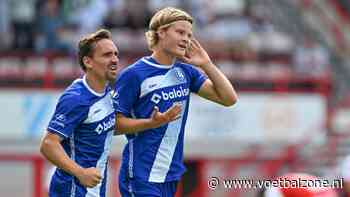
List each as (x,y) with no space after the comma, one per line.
(90,89)
(152,62)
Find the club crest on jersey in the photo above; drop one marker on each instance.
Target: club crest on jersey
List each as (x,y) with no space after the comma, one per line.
(179,74)
(115,97)
(115,94)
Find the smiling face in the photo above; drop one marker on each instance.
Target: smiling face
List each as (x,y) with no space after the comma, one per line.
(103,61)
(175,39)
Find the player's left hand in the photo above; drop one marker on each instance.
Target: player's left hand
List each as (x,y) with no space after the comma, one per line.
(196,55)
(173,113)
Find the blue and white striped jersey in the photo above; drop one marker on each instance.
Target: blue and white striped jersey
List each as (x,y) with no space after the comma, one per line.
(85,120)
(155,155)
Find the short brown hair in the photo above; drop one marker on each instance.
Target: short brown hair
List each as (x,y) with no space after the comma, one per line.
(88,43)
(163,18)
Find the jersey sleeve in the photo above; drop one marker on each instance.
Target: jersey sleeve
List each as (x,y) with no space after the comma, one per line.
(197,79)
(127,90)
(69,113)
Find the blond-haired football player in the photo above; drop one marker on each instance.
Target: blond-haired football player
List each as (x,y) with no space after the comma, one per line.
(152,161)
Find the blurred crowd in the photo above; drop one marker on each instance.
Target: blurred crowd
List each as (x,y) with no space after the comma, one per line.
(239,29)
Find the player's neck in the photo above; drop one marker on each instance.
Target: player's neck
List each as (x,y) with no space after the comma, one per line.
(163,58)
(96,84)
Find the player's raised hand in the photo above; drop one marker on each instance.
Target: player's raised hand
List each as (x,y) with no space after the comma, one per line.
(196,54)
(173,113)
(90,177)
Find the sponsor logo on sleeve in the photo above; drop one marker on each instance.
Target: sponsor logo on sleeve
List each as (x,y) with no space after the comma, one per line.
(59,120)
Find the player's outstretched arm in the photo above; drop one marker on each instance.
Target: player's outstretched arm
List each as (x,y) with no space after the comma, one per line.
(53,151)
(127,125)
(217,88)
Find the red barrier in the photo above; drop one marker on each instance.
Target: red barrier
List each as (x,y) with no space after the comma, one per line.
(37,169)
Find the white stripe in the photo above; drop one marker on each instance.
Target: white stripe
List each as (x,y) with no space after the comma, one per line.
(130,190)
(103,107)
(161,81)
(166,150)
(150,84)
(57,131)
(156,65)
(131,158)
(101,165)
(72,149)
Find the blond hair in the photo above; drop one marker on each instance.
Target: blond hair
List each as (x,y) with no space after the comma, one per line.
(163,19)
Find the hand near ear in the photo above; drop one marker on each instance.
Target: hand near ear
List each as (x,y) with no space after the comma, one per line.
(196,54)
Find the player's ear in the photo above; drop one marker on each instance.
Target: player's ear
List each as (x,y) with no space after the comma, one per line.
(87,61)
(161,33)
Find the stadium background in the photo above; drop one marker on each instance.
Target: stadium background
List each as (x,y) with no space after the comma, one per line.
(288,60)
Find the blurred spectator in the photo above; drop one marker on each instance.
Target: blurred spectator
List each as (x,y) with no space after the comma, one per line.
(271,42)
(228,27)
(4,24)
(115,17)
(50,28)
(22,19)
(222,7)
(70,8)
(311,58)
(200,10)
(345,4)
(266,37)
(155,5)
(137,13)
(132,15)
(59,22)
(89,16)
(227,21)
